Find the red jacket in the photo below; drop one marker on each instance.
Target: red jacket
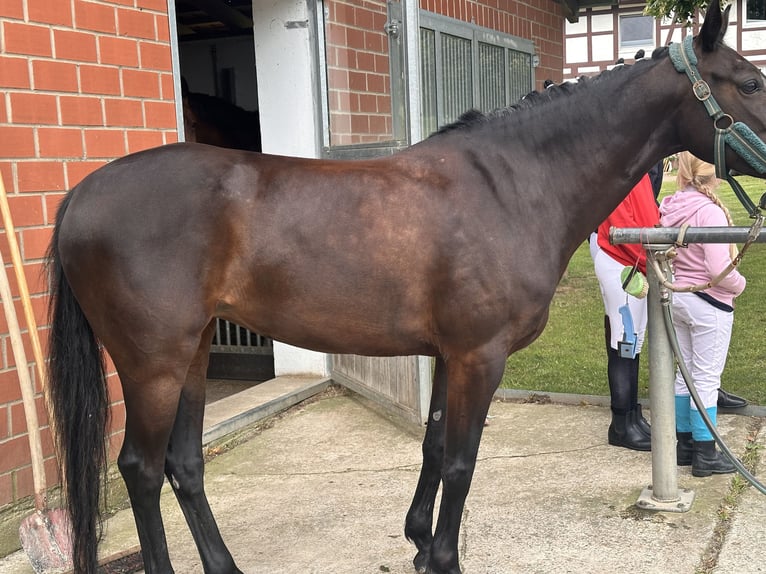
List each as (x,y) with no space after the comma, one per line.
(639,209)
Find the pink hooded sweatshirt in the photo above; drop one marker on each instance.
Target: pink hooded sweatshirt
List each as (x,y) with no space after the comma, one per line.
(701,262)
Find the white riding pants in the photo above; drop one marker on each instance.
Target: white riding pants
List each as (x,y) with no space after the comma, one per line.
(704,333)
(608,274)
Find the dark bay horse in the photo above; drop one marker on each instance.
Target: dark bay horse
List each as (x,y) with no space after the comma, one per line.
(215,121)
(452,248)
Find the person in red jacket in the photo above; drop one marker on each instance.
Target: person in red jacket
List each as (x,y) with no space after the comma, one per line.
(628,428)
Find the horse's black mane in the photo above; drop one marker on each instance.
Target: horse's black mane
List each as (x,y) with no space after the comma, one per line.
(474,117)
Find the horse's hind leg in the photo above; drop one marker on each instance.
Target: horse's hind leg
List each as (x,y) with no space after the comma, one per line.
(419,523)
(184,466)
(151,402)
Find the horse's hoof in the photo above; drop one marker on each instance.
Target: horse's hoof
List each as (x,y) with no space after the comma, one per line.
(427,570)
(422,566)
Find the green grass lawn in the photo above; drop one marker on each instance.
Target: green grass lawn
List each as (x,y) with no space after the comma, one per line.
(570,357)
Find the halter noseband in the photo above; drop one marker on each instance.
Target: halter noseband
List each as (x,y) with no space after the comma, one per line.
(737,135)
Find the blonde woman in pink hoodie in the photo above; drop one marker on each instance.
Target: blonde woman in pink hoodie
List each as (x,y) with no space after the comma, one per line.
(703,319)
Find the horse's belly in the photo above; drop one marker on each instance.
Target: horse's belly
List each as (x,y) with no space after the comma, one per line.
(358,323)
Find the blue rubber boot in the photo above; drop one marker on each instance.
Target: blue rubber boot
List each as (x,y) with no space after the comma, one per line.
(684,443)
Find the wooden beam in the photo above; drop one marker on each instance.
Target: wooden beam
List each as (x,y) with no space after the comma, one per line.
(224,13)
(571,9)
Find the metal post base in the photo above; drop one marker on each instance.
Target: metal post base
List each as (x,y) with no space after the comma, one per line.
(646,501)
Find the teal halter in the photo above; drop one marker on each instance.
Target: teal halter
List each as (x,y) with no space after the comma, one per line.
(737,135)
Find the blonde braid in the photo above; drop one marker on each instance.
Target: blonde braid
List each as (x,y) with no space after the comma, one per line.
(707,191)
(701,175)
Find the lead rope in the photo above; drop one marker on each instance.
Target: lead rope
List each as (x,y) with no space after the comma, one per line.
(670,253)
(668,320)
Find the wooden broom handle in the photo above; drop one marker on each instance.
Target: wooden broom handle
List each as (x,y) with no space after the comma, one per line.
(26,301)
(27,388)
(22,367)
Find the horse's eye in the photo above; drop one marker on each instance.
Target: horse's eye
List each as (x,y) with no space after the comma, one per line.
(751,86)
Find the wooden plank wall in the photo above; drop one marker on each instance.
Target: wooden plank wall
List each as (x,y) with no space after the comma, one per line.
(392,381)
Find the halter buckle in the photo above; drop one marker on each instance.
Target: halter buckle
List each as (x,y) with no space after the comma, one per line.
(701,90)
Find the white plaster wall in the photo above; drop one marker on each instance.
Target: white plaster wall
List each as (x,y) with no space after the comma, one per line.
(579,27)
(602,23)
(590,70)
(576,50)
(603,48)
(287,94)
(753,40)
(287,99)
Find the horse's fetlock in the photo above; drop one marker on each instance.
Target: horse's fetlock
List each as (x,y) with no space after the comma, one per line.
(444,562)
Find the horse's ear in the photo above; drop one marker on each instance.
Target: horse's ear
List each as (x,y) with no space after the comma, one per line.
(714,27)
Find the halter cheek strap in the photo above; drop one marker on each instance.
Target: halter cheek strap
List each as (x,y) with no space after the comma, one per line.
(736,135)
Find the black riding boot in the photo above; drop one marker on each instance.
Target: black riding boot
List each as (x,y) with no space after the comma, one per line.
(622,372)
(643,424)
(706,460)
(625,432)
(684,448)
(730,400)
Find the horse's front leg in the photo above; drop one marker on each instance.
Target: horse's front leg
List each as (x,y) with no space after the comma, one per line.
(473,379)
(418,527)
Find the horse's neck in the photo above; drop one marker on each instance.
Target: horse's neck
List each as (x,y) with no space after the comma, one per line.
(576,158)
(616,131)
(603,138)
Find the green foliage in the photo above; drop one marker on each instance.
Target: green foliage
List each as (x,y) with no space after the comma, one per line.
(682,11)
(570,355)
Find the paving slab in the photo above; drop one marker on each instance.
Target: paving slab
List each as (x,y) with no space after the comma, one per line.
(743,549)
(325,489)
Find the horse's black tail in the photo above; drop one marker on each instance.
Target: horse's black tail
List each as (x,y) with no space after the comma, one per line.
(78,400)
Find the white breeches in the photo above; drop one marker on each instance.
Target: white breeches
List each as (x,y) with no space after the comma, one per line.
(704,333)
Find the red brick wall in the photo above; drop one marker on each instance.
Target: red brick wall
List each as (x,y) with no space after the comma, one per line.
(81,83)
(359,87)
(358,78)
(540,21)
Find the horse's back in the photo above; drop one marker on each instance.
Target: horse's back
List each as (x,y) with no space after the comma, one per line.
(371,257)
(275,243)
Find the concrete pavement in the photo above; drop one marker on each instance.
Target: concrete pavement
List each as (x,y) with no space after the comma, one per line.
(324,488)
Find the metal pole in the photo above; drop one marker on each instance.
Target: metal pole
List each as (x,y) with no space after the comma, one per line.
(669,235)
(176,67)
(663,493)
